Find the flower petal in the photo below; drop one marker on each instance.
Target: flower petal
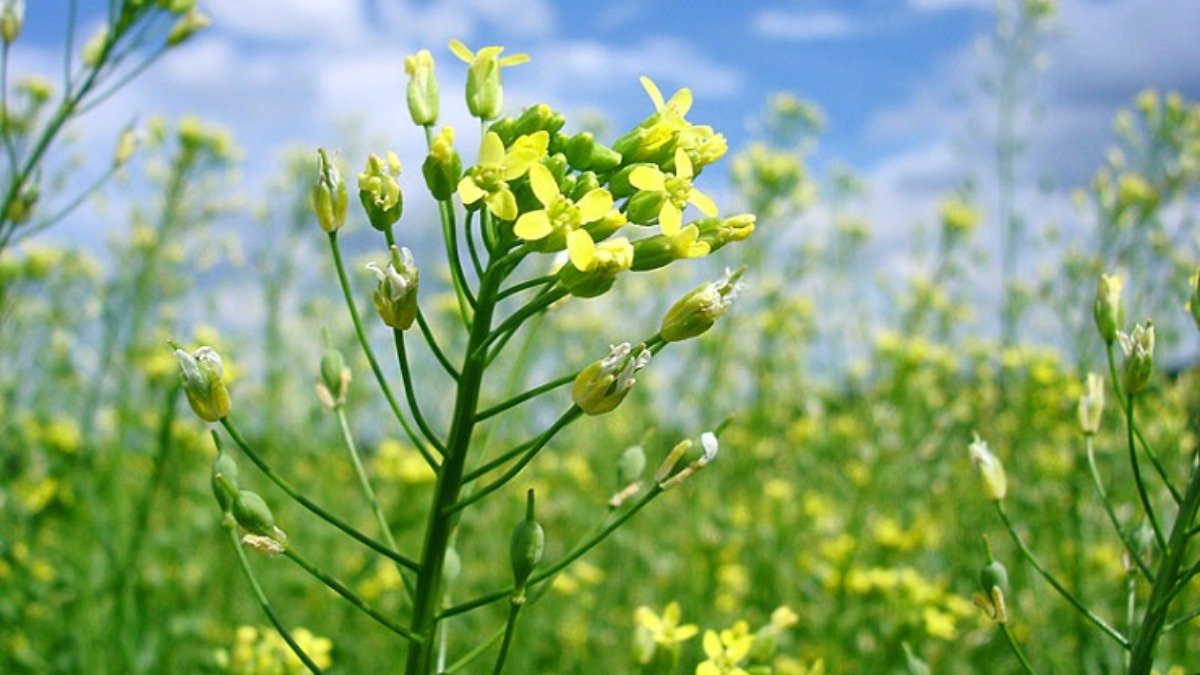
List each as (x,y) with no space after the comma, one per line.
(582,249)
(515,59)
(533,225)
(594,205)
(681,102)
(503,204)
(545,188)
(683,164)
(645,617)
(708,668)
(469,191)
(686,632)
(647,178)
(670,219)
(491,150)
(702,202)
(461,51)
(712,645)
(652,90)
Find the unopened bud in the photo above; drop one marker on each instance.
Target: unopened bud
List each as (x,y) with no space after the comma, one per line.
(717,232)
(535,118)
(396,295)
(1091,404)
(586,154)
(485,95)
(1139,357)
(422,90)
(525,547)
(696,312)
(443,167)
(605,261)
(603,385)
(202,374)
(186,26)
(335,379)
(1110,308)
(379,191)
(12,18)
(329,195)
(991,471)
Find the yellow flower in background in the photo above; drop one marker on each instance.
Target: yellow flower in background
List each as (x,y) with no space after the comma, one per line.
(496,166)
(726,650)
(678,191)
(261,651)
(562,215)
(665,629)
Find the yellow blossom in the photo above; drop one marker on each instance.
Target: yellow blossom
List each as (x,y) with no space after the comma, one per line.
(665,629)
(677,189)
(563,216)
(488,180)
(726,650)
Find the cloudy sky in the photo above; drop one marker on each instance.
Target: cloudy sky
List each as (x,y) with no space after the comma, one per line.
(897,78)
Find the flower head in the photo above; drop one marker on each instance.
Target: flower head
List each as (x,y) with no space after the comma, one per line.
(676,189)
(601,264)
(697,311)
(726,650)
(664,629)
(991,471)
(600,387)
(563,217)
(488,179)
(396,295)
(203,378)
(485,96)
(379,191)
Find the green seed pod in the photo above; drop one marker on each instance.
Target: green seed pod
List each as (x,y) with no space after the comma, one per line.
(253,514)
(528,541)
(697,311)
(224,480)
(993,575)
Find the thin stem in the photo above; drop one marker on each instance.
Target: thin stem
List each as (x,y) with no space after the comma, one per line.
(1181,620)
(410,393)
(462,290)
(1016,649)
(578,552)
(479,650)
(493,463)
(569,416)
(1079,606)
(518,317)
(370,354)
(124,80)
(1130,547)
(525,396)
(9,149)
(1137,476)
(69,48)
(67,210)
(435,347)
(467,232)
(309,504)
(509,628)
(526,285)
(357,602)
(1137,431)
(265,604)
(364,483)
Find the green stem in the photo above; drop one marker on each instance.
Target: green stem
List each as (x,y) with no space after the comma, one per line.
(1137,477)
(509,628)
(1137,431)
(1130,547)
(1016,649)
(309,504)
(514,321)
(1181,620)
(370,354)
(410,393)
(569,416)
(467,232)
(435,347)
(526,285)
(462,291)
(1079,606)
(340,588)
(523,397)
(264,603)
(364,483)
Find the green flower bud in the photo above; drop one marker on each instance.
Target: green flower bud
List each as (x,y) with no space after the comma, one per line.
(253,514)
(186,26)
(717,232)
(329,196)
(631,465)
(422,90)
(644,206)
(993,575)
(608,259)
(224,480)
(1091,404)
(1110,308)
(535,118)
(203,382)
(583,183)
(586,154)
(443,167)
(1193,303)
(600,387)
(379,191)
(526,545)
(696,312)
(335,379)
(12,18)
(1139,357)
(396,295)
(485,95)
(991,471)
(652,253)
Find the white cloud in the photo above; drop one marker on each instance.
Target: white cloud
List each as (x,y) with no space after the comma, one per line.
(942,5)
(803,26)
(296,21)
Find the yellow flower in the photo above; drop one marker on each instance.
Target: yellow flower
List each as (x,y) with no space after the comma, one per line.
(677,189)
(488,180)
(665,629)
(726,651)
(562,215)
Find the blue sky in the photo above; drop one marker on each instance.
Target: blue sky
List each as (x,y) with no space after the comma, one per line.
(895,77)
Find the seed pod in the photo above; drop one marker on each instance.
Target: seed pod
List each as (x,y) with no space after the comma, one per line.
(253,514)
(993,575)
(224,480)
(528,541)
